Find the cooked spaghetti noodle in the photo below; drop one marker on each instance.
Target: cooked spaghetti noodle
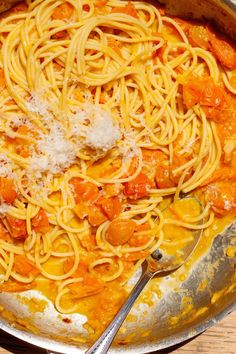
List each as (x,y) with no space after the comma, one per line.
(109,110)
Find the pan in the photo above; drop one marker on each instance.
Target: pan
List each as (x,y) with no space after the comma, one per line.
(180,307)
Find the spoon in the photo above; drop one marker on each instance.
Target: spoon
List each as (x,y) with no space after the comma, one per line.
(158,263)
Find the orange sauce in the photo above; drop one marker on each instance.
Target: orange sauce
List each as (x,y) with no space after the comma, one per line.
(101,308)
(34,305)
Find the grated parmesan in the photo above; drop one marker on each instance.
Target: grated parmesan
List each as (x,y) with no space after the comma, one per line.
(228,204)
(37,105)
(94,127)
(128,147)
(5,166)
(55,151)
(42,188)
(4,208)
(102,134)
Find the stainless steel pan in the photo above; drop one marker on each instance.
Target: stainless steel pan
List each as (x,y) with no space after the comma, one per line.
(185,309)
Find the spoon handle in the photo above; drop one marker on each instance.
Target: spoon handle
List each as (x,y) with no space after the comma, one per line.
(103,343)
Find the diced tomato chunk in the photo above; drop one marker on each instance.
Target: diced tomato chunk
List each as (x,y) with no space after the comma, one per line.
(198,36)
(17,227)
(81,270)
(120,231)
(15,286)
(86,7)
(85,190)
(20,7)
(159,53)
(142,227)
(88,241)
(100,3)
(203,91)
(185,25)
(60,35)
(222,197)
(138,240)
(163,179)
(232,81)
(4,235)
(81,209)
(226,128)
(24,147)
(165,176)
(138,187)
(129,9)
(224,173)
(153,156)
(2,80)
(112,190)
(23,130)
(223,49)
(88,287)
(95,216)
(27,132)
(113,44)
(63,11)
(94,213)
(40,222)
(111,207)
(208,38)
(24,266)
(7,190)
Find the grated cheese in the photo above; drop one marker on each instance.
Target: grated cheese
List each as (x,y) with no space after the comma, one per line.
(94,128)
(5,166)
(128,147)
(102,134)
(16,120)
(37,105)
(55,151)
(41,189)
(228,204)
(4,208)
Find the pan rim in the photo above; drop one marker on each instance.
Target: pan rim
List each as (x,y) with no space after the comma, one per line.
(63,348)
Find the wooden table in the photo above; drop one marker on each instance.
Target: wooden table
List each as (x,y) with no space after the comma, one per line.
(220,339)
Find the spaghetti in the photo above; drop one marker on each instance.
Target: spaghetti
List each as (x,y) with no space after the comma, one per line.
(109,110)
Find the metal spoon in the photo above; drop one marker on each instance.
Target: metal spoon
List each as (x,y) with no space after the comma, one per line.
(156,264)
